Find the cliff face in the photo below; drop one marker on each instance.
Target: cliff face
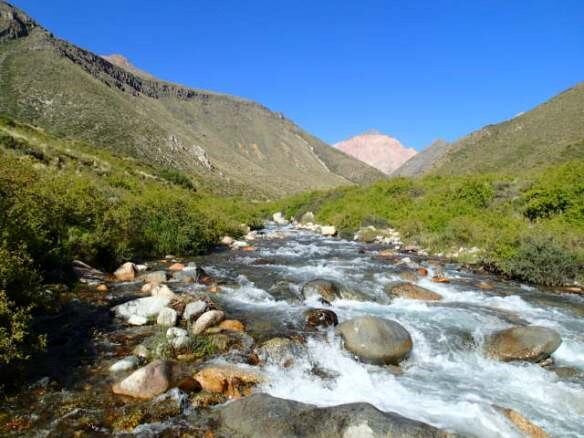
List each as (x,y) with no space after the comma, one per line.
(227,143)
(380,151)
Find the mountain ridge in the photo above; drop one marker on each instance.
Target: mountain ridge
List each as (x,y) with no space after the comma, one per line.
(225,142)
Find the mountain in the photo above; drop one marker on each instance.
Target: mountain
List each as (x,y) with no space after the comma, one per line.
(552,132)
(223,142)
(376,149)
(419,163)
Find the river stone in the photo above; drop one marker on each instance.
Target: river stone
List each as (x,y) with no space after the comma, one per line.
(233,381)
(147,307)
(167,316)
(261,415)
(280,351)
(412,292)
(529,429)
(530,343)
(206,320)
(376,340)
(308,218)
(194,310)
(162,291)
(126,272)
(328,290)
(137,320)
(155,277)
(146,382)
(328,230)
(320,318)
(125,364)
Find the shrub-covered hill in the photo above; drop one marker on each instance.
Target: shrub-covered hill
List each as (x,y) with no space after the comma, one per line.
(551,133)
(529,227)
(62,200)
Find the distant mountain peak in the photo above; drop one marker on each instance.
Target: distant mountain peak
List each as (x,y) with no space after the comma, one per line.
(376,149)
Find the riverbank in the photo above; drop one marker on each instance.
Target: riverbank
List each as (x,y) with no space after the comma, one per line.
(266,336)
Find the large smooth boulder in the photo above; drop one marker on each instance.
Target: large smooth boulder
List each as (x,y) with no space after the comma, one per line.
(412,292)
(146,382)
(261,415)
(531,343)
(126,272)
(376,340)
(147,307)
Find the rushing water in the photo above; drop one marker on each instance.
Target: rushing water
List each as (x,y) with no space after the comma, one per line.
(446,381)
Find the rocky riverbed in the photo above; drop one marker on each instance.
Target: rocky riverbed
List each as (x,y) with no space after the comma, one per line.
(298,334)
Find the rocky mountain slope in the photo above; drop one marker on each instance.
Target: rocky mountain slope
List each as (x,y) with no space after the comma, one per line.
(224,142)
(378,150)
(552,132)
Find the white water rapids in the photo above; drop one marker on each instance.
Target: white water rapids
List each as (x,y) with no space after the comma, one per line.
(447,381)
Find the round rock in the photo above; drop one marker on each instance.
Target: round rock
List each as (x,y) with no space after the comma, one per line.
(376,340)
(530,343)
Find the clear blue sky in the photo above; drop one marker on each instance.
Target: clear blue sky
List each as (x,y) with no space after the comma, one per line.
(417,70)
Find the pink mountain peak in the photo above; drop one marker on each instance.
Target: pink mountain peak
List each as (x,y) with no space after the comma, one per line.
(376,149)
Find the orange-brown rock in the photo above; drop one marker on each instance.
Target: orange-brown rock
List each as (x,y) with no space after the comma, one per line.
(176,267)
(422,271)
(102,288)
(412,292)
(126,272)
(232,381)
(232,325)
(523,424)
(248,248)
(440,279)
(485,285)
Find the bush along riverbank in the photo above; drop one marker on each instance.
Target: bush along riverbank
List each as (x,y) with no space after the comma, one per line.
(528,227)
(61,201)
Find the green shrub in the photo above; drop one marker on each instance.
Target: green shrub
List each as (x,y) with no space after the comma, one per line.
(542,261)
(176,177)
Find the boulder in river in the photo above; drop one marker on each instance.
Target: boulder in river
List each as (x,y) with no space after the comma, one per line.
(412,292)
(206,320)
(146,382)
(264,415)
(531,343)
(376,340)
(162,291)
(320,318)
(523,424)
(280,351)
(327,290)
(126,272)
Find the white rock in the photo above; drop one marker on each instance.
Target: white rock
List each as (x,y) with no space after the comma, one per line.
(141,268)
(179,342)
(328,230)
(227,240)
(126,272)
(194,310)
(239,244)
(279,218)
(176,332)
(206,320)
(125,364)
(162,291)
(137,320)
(167,316)
(252,235)
(147,307)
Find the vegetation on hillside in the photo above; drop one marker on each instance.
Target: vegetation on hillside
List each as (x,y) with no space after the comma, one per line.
(61,201)
(529,227)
